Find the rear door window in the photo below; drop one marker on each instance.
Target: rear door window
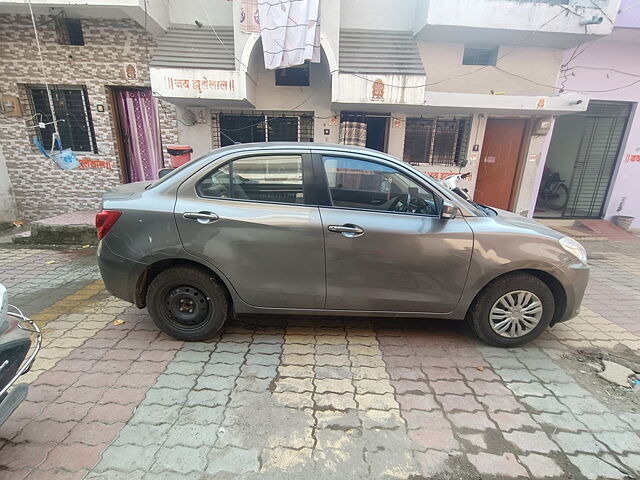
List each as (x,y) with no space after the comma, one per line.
(273,178)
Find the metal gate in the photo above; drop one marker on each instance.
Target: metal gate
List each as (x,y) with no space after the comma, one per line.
(605,126)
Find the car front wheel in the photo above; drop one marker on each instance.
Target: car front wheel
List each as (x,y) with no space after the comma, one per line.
(512,310)
(187,303)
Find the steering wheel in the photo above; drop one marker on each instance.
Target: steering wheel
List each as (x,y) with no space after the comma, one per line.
(404,202)
(400,202)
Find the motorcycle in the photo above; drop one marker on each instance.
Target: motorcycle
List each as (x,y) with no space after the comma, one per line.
(16,331)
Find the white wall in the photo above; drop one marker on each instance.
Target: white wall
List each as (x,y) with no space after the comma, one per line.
(378,14)
(220,12)
(395,143)
(446,73)
(8,210)
(269,97)
(197,136)
(316,97)
(527,191)
(523,16)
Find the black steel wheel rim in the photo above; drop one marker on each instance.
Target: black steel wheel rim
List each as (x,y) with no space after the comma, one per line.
(187,306)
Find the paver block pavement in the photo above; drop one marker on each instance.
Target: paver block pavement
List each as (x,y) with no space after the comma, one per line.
(505,465)
(287,397)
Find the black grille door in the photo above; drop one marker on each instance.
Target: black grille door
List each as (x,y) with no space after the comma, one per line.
(606,123)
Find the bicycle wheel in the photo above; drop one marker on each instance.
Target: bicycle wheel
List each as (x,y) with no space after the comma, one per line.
(559,197)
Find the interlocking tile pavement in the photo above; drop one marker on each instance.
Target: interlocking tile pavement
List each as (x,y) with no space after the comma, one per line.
(296,397)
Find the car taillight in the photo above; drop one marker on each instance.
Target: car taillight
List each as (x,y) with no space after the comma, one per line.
(105,220)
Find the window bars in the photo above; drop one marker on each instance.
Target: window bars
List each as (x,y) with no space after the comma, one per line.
(437,140)
(73,113)
(230,128)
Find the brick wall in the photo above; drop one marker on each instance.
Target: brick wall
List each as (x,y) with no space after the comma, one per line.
(41,188)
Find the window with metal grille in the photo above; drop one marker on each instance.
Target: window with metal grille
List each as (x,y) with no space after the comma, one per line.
(436,140)
(479,56)
(69,31)
(263,127)
(73,114)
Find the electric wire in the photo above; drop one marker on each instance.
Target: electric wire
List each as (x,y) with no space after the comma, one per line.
(206,14)
(45,78)
(606,15)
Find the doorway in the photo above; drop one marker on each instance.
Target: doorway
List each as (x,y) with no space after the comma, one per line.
(583,154)
(365,130)
(138,134)
(499,159)
(377,132)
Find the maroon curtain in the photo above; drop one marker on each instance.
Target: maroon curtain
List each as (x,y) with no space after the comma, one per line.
(141,133)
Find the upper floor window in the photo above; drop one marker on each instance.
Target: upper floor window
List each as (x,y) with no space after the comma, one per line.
(274,178)
(297,76)
(436,140)
(72,112)
(69,31)
(479,56)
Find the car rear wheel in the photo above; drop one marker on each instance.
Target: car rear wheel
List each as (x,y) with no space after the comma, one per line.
(187,303)
(512,310)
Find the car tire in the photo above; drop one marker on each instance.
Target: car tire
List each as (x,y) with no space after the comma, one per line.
(508,287)
(188,303)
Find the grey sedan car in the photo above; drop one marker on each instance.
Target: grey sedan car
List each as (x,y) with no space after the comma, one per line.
(295,228)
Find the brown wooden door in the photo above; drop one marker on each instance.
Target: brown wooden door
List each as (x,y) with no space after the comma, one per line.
(499,161)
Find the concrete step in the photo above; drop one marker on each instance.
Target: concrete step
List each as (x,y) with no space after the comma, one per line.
(608,229)
(572,229)
(23,238)
(75,228)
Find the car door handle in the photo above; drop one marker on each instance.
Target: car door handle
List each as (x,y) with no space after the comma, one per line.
(347,230)
(201,217)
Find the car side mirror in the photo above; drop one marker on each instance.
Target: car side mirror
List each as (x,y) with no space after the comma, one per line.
(449,210)
(164,171)
(462,162)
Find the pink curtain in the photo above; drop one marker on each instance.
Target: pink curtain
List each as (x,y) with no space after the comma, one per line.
(141,133)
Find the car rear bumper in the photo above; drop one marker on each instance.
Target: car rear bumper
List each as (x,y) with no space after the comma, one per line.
(119,274)
(575,283)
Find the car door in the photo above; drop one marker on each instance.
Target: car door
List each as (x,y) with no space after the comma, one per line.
(387,249)
(253,218)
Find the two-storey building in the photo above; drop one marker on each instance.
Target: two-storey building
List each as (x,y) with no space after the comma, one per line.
(597,152)
(435,83)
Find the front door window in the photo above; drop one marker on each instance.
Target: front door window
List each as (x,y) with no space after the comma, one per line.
(367,185)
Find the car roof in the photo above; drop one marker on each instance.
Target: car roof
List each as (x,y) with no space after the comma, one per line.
(297,146)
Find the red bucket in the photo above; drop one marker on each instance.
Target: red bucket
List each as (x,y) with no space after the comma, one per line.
(180,154)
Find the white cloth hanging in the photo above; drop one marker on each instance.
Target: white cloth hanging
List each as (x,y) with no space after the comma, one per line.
(290,32)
